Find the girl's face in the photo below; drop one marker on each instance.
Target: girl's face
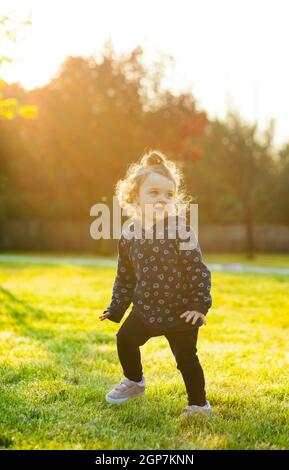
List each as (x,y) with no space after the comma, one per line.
(158,193)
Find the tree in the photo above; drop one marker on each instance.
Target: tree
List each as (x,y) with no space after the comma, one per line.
(10,107)
(239,169)
(282,186)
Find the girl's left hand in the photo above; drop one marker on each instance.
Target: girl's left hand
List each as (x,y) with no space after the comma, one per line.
(193,314)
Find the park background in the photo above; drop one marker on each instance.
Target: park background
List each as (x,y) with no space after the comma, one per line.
(69,128)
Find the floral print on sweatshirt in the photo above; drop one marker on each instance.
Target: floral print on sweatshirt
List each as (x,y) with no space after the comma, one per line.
(160,279)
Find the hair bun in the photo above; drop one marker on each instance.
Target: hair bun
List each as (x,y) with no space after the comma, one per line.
(153,158)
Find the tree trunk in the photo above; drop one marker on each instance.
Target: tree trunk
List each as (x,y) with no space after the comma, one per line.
(248,218)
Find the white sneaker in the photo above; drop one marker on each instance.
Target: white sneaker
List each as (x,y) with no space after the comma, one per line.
(192,409)
(126,390)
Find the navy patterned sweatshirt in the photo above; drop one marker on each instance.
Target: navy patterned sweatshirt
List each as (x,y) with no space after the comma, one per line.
(160,279)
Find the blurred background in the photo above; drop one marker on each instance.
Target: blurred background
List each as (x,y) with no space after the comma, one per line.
(86,87)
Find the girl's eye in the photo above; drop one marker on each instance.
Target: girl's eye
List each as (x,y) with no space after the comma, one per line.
(153,192)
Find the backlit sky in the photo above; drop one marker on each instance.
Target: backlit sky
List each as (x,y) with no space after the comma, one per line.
(230,54)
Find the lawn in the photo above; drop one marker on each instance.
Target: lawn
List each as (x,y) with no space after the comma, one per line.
(58,361)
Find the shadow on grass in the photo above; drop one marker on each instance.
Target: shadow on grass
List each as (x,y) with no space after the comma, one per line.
(76,378)
(69,351)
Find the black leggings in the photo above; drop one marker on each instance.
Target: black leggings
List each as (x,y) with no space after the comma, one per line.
(134,333)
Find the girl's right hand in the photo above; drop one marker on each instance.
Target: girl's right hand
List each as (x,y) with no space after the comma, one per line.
(104,315)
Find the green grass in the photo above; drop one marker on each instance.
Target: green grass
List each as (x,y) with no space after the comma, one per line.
(58,361)
(277,260)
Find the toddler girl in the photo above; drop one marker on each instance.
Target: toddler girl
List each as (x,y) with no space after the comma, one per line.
(168,286)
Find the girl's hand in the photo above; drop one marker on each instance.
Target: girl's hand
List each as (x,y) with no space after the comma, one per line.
(104,315)
(193,314)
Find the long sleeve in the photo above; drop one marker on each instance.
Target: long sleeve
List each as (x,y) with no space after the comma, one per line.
(197,275)
(124,284)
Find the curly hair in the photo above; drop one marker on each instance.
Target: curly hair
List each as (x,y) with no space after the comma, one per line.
(152,161)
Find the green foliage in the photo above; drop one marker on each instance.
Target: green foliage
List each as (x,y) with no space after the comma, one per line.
(10,107)
(95,117)
(98,115)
